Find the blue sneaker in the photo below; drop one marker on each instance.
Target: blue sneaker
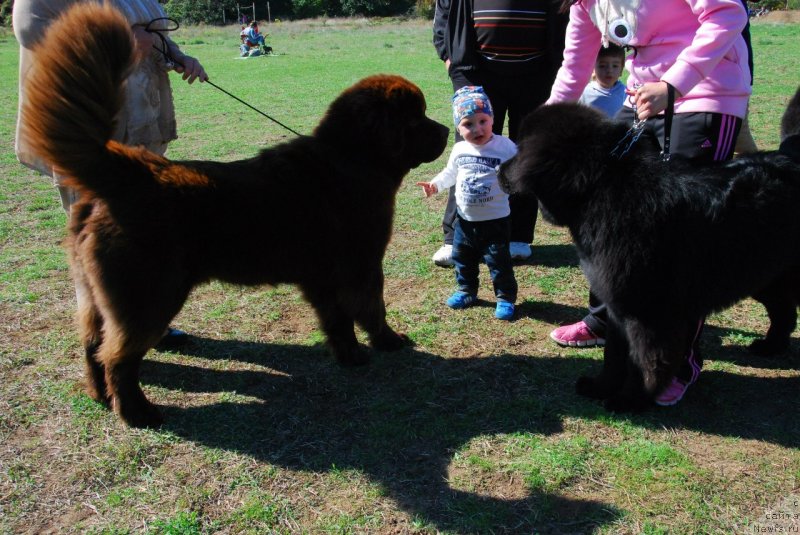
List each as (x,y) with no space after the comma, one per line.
(504,311)
(460,300)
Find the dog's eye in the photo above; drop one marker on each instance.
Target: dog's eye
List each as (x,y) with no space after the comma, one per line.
(621,31)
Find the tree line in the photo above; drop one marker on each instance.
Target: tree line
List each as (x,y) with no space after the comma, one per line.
(211,11)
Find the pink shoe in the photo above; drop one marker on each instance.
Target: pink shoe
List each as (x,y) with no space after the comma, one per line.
(673,393)
(576,335)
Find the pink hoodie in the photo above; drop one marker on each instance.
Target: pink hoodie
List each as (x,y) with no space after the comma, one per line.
(694,45)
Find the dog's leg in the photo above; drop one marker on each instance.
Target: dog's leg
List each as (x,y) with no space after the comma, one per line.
(612,376)
(369,311)
(121,353)
(338,325)
(655,357)
(90,325)
(128,400)
(781,305)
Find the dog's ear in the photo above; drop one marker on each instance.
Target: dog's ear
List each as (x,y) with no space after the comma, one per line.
(565,140)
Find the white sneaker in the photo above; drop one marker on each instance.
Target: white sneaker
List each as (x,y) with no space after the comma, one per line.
(519,250)
(444,256)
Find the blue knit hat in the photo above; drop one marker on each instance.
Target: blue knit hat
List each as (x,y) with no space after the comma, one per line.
(469,100)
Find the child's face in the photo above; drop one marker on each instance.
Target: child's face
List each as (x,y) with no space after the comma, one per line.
(608,70)
(476,128)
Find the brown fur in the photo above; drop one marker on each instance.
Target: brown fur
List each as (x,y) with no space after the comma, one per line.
(316,211)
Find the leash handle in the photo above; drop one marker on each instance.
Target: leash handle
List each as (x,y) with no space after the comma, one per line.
(668,113)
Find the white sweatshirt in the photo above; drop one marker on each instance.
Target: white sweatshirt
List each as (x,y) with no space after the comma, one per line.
(473,171)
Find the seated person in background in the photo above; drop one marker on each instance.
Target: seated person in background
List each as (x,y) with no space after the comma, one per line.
(244,48)
(605,92)
(251,38)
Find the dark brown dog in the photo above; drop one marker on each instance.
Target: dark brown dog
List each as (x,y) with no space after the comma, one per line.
(664,244)
(316,211)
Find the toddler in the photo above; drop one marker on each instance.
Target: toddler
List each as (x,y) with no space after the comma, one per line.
(482,226)
(605,92)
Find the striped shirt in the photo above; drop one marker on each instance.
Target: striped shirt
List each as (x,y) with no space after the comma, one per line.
(510,31)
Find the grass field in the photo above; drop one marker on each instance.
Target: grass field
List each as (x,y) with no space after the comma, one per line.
(476,429)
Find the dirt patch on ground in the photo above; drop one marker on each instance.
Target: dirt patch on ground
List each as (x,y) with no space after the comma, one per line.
(780,17)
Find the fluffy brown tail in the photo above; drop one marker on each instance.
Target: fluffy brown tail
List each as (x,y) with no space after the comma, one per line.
(75,89)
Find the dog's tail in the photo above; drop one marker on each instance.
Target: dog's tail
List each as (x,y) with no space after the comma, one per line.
(790,128)
(75,89)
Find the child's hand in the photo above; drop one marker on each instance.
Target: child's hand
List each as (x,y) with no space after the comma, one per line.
(428,188)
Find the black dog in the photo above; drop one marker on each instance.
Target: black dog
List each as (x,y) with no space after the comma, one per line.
(664,244)
(316,211)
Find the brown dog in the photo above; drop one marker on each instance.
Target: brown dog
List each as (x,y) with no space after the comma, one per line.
(316,211)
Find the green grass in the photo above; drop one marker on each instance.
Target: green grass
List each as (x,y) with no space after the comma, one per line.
(474,430)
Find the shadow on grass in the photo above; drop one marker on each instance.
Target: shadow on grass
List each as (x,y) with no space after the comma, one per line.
(550,312)
(399,420)
(714,348)
(554,256)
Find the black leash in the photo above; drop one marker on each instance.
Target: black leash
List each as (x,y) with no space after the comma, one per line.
(668,113)
(171,62)
(635,131)
(273,119)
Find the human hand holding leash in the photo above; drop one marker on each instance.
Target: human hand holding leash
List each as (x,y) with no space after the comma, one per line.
(651,98)
(189,67)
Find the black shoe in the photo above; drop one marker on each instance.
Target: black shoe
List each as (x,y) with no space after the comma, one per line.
(173,338)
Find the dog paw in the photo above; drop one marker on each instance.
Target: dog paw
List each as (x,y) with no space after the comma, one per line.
(766,347)
(142,414)
(390,341)
(93,391)
(589,387)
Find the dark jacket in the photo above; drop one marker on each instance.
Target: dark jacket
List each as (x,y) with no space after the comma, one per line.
(454,38)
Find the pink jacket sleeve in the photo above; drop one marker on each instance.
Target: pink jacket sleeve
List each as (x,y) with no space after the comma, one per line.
(721,24)
(576,68)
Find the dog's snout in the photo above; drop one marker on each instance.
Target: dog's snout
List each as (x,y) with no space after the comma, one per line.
(503,172)
(439,139)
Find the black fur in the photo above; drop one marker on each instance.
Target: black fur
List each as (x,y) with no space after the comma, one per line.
(663,244)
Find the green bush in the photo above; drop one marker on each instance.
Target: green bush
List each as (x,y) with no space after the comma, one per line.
(5,12)
(425,9)
(774,5)
(194,11)
(376,8)
(309,9)
(210,11)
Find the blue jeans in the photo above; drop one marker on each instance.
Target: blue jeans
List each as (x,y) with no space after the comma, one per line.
(473,240)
